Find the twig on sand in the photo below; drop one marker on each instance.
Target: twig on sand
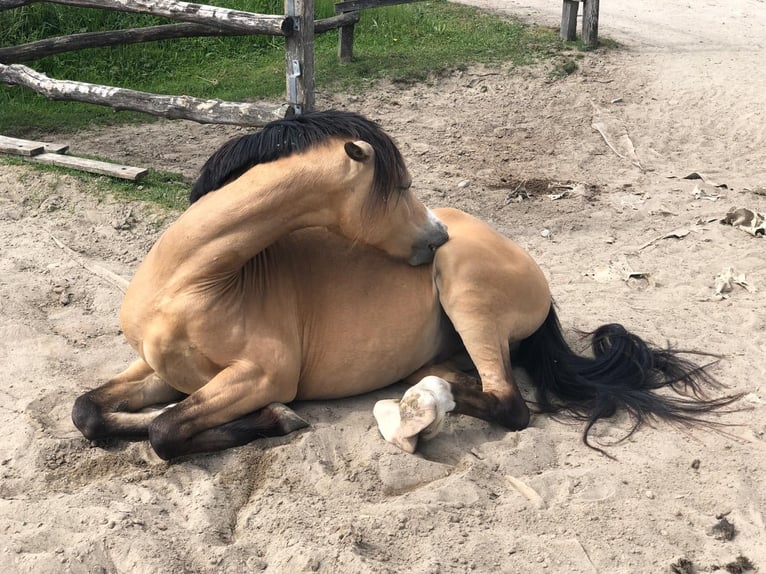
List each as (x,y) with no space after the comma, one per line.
(526,491)
(585,553)
(119,282)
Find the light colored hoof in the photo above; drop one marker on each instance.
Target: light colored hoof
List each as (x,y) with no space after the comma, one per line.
(387,416)
(418,410)
(433,398)
(420,413)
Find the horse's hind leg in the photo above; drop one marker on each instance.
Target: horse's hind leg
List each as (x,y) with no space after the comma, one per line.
(458,370)
(474,297)
(440,389)
(111,410)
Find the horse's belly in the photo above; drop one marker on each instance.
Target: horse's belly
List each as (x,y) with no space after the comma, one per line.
(351,382)
(352,365)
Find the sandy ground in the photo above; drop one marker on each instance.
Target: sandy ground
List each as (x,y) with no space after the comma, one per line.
(686,88)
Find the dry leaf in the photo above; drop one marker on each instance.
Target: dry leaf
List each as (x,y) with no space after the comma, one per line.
(747,220)
(676,234)
(662,210)
(702,193)
(707,180)
(619,269)
(725,281)
(615,135)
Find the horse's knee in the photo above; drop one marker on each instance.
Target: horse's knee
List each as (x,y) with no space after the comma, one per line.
(88,417)
(513,413)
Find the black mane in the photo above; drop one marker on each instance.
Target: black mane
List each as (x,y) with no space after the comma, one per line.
(283,137)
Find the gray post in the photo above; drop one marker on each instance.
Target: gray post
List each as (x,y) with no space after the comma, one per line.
(590,24)
(299,56)
(569,20)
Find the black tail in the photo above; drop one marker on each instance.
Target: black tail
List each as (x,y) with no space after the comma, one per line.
(624,373)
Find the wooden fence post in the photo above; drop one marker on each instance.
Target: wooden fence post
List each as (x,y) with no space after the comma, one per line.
(345,36)
(569,20)
(299,56)
(590,24)
(346,43)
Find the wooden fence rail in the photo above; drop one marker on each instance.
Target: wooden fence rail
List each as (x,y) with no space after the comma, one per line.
(73,42)
(225,18)
(121,99)
(297,26)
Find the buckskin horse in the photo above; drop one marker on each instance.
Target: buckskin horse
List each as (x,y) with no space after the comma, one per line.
(305,268)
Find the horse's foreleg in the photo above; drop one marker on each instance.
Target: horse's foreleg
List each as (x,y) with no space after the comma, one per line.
(111,410)
(272,420)
(238,405)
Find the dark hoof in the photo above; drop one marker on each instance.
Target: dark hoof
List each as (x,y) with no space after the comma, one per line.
(163,438)
(87,417)
(514,415)
(285,419)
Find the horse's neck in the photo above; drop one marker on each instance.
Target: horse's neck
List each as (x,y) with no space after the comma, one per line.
(228,227)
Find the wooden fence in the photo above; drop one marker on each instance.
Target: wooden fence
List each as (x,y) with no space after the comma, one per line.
(589,21)
(297,26)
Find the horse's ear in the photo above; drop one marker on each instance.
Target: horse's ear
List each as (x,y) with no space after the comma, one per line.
(359,150)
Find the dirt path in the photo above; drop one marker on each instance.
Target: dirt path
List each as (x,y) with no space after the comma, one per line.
(686,88)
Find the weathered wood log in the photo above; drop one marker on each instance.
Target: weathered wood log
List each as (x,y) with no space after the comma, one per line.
(355,5)
(92,165)
(223,18)
(173,107)
(327,24)
(569,20)
(590,24)
(51,46)
(17,146)
(9,4)
(20,147)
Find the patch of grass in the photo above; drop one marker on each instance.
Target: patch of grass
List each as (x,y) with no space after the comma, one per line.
(404,43)
(563,67)
(166,189)
(603,43)
(409,42)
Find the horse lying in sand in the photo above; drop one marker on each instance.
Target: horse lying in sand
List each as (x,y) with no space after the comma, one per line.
(305,268)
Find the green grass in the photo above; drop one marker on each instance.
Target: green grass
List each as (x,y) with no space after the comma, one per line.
(403,43)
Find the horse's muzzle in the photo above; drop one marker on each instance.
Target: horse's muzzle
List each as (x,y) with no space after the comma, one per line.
(425,247)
